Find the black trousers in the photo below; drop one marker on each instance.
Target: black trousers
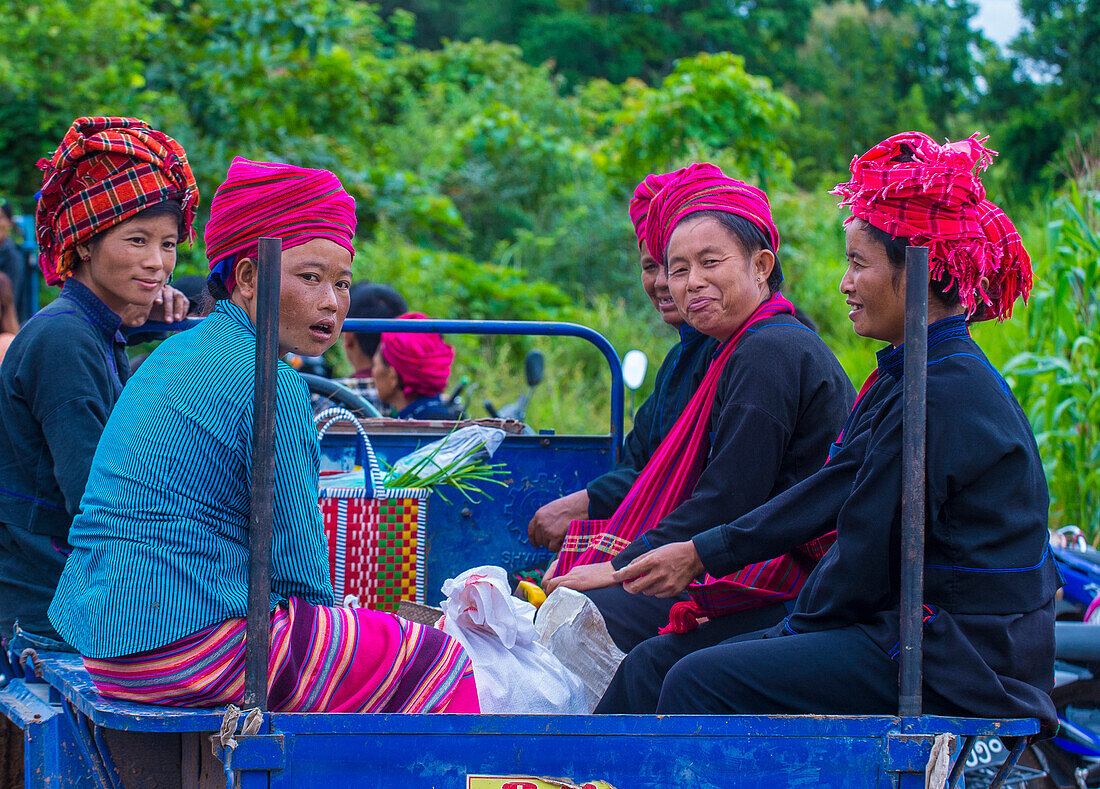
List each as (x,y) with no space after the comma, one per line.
(30,568)
(636,685)
(834,672)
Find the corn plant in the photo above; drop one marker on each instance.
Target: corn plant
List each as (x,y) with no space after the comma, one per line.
(1057,380)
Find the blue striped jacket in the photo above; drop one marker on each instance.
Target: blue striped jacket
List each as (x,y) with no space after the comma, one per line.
(160,547)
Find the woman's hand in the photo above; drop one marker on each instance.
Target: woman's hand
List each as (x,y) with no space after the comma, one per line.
(585,577)
(170,306)
(548,576)
(663,572)
(551,522)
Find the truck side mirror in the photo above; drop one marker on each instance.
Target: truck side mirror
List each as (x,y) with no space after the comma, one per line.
(635,364)
(533,365)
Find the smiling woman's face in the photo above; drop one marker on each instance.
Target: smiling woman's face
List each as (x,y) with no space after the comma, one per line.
(715,283)
(655,285)
(129,264)
(874,289)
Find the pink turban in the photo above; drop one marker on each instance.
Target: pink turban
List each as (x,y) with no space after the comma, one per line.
(423,361)
(937,200)
(275,200)
(643,196)
(704,187)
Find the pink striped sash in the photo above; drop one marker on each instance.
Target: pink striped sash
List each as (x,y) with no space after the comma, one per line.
(764,582)
(322,660)
(670,475)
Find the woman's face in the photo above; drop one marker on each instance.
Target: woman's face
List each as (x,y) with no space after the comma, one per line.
(386,380)
(716,285)
(130,263)
(655,284)
(876,300)
(314,296)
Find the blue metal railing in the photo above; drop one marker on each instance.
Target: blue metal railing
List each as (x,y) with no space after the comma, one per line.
(536,328)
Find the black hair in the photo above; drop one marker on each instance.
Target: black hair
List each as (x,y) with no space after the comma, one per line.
(943,288)
(749,236)
(5,206)
(196,290)
(374,300)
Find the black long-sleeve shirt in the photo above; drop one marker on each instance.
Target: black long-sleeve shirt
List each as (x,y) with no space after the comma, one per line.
(989,576)
(59,381)
(781,400)
(677,379)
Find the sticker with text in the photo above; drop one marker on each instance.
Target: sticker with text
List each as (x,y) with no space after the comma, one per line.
(528,782)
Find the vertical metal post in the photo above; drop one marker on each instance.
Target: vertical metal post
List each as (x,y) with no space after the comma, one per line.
(263,473)
(914,420)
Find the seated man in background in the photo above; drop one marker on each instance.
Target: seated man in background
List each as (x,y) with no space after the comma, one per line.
(368,300)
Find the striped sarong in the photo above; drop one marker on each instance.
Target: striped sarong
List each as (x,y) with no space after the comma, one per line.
(322,660)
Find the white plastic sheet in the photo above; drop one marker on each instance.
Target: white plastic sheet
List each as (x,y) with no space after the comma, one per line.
(514,673)
(572,628)
(471,442)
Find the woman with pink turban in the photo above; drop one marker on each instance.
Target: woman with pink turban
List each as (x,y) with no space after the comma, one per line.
(989,578)
(677,379)
(771,402)
(154,595)
(411,371)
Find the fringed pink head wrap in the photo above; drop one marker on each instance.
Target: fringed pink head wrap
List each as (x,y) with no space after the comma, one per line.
(105,171)
(937,200)
(643,196)
(704,187)
(275,200)
(423,361)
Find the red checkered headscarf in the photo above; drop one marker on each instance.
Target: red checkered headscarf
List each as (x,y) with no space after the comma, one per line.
(423,361)
(937,200)
(105,171)
(704,187)
(258,199)
(643,196)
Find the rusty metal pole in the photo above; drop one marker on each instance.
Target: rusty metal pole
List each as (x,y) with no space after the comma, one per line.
(258,633)
(914,425)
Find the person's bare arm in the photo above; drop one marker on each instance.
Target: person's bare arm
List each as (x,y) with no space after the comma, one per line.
(548,527)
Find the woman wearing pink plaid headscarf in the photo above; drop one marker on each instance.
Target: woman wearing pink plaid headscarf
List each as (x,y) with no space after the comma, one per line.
(117,198)
(989,577)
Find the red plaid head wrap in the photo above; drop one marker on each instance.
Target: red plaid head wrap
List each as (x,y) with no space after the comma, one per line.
(704,187)
(643,196)
(937,200)
(275,200)
(423,361)
(105,171)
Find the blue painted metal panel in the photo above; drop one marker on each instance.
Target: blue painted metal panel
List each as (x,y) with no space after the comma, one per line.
(334,750)
(50,755)
(625,751)
(461,534)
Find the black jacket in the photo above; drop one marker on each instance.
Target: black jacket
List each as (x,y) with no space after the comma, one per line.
(989,575)
(59,381)
(781,400)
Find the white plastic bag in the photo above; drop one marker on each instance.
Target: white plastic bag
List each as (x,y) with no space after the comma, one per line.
(513,672)
(471,442)
(572,628)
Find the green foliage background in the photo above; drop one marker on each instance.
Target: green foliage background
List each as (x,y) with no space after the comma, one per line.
(492,146)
